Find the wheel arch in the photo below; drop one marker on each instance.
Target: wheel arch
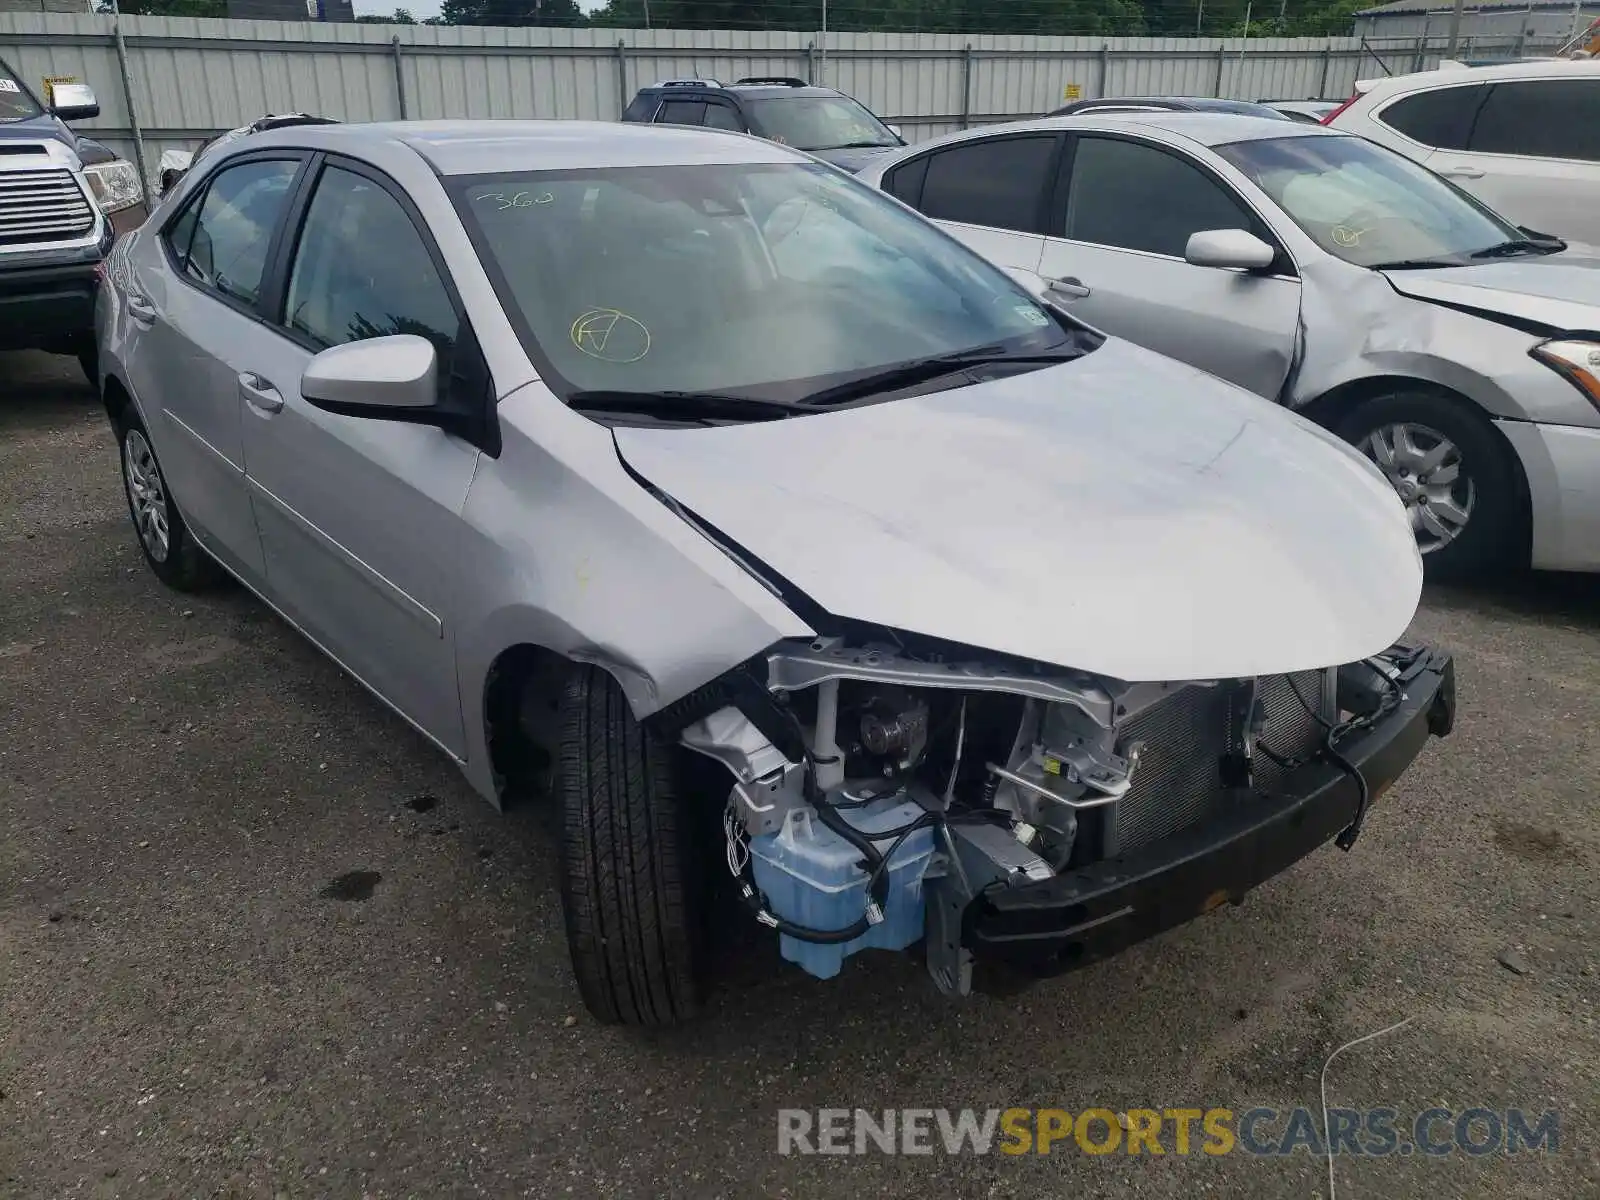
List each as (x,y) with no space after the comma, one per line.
(1331,408)
(519,693)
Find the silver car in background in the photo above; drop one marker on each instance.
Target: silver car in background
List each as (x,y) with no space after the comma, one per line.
(683,476)
(1318,269)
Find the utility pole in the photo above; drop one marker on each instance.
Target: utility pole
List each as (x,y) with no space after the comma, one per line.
(1453,39)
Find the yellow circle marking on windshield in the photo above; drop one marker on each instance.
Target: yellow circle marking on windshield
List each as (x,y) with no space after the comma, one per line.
(1346,236)
(611,335)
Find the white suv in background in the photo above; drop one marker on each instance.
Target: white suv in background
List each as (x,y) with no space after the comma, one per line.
(1523,137)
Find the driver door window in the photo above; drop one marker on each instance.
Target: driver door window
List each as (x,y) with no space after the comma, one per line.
(723,116)
(361,270)
(1135,197)
(1129,212)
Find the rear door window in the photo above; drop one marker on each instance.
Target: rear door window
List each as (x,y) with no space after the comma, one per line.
(1541,118)
(682,112)
(999,182)
(224,247)
(1441,118)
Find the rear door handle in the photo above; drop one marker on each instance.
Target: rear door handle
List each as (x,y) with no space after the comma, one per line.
(1070,287)
(1461,172)
(259,393)
(141,310)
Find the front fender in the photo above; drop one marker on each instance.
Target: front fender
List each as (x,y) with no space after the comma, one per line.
(1360,328)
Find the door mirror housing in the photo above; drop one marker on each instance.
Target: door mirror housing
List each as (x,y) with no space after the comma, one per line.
(1231,249)
(398,378)
(73,102)
(895,129)
(375,377)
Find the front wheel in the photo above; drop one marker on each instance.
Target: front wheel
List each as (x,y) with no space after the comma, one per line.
(629,880)
(1451,470)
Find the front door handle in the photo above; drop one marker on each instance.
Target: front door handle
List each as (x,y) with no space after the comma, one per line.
(1461,172)
(259,393)
(1070,287)
(141,310)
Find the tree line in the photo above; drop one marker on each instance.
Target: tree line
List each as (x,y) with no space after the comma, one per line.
(1108,18)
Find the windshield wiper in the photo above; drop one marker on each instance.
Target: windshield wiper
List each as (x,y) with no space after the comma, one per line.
(1514,246)
(863,146)
(685,405)
(1416,264)
(923,369)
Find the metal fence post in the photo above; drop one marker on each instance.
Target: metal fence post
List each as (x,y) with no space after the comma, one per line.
(811,62)
(1327,65)
(1416,59)
(622,78)
(399,77)
(966,86)
(1222,62)
(1105,68)
(133,112)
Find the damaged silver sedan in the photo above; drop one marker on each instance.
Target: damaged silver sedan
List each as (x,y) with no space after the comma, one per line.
(1321,270)
(796,552)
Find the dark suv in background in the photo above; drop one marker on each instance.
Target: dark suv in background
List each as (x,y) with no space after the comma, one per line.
(63,199)
(792,112)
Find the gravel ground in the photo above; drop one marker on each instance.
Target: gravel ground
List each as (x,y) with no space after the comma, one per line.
(198,998)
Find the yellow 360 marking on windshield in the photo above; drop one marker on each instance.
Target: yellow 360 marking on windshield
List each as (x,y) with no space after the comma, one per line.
(611,335)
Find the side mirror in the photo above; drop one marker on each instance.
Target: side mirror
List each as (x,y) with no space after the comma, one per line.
(895,129)
(397,375)
(1233,249)
(73,102)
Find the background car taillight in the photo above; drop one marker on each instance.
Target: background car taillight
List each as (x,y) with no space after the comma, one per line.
(1328,120)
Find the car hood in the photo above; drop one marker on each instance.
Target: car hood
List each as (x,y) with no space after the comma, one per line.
(37,129)
(1561,291)
(854,160)
(1122,514)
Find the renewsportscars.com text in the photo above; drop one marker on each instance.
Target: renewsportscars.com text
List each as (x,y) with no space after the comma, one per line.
(1372,1132)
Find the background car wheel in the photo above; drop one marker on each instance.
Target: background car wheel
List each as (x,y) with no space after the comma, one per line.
(629,878)
(88,355)
(1453,473)
(168,546)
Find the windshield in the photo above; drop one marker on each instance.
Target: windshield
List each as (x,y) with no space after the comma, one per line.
(771,281)
(817,122)
(15,103)
(1368,205)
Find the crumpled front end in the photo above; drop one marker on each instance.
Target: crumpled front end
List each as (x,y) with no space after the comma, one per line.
(1003,813)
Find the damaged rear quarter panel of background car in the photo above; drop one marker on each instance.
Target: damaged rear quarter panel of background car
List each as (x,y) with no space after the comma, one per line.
(623,583)
(1362,328)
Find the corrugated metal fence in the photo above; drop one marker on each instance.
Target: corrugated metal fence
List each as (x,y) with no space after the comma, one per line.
(170,82)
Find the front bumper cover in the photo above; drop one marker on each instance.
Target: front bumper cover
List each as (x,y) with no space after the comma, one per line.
(1078,917)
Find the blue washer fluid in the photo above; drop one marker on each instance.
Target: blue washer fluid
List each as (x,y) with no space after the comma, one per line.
(811,876)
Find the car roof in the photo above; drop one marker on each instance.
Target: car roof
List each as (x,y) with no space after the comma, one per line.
(1204,128)
(487,147)
(1443,76)
(759,90)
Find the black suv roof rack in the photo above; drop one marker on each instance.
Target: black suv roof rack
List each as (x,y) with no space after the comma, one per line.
(285,120)
(778,80)
(671,83)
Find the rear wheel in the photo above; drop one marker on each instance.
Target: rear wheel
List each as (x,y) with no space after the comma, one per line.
(1452,472)
(169,548)
(629,875)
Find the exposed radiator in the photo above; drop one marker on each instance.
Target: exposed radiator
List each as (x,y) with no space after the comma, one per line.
(42,205)
(1179,777)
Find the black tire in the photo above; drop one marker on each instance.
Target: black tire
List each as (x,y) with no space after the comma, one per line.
(88,355)
(629,875)
(182,565)
(1492,534)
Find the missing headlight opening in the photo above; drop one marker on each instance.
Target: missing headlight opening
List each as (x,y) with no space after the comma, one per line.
(969,804)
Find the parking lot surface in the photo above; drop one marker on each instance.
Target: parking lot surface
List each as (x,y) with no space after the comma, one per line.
(258,939)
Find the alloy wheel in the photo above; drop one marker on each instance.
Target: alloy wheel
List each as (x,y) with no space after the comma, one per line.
(1426,470)
(147,494)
